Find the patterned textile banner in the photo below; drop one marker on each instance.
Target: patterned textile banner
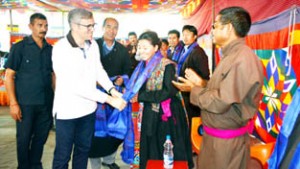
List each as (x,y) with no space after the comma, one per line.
(276,41)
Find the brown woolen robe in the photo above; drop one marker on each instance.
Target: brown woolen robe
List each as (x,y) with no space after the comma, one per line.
(228,102)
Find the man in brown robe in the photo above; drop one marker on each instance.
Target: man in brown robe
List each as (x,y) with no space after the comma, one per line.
(230,98)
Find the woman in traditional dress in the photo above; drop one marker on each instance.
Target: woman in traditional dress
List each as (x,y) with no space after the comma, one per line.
(162,110)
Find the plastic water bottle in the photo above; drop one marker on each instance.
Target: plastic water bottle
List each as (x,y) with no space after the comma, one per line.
(168,153)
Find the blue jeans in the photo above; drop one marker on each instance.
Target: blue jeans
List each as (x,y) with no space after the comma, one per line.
(32,134)
(77,132)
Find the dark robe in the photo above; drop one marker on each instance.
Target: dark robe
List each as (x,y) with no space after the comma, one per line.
(154,129)
(198,61)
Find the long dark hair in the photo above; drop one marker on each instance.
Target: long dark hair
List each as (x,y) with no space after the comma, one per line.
(152,37)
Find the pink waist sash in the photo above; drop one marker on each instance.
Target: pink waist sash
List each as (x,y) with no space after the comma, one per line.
(229,133)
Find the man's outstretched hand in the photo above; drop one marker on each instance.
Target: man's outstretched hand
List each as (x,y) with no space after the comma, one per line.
(191,79)
(183,84)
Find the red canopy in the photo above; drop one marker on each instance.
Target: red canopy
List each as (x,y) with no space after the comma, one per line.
(258,9)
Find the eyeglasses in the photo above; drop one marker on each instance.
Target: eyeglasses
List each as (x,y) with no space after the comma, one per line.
(89,26)
(214,24)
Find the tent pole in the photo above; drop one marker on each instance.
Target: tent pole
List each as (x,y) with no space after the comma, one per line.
(63,23)
(11,23)
(213,45)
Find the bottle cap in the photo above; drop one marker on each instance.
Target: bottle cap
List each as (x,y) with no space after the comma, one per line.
(168,137)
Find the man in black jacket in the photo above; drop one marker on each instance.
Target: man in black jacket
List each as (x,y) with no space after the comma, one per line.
(116,61)
(194,57)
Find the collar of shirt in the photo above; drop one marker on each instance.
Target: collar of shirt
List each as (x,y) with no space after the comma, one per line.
(185,48)
(171,49)
(106,48)
(74,44)
(29,40)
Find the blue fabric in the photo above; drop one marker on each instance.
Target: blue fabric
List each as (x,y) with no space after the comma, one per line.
(295,162)
(117,123)
(104,111)
(287,127)
(177,51)
(184,55)
(141,73)
(136,81)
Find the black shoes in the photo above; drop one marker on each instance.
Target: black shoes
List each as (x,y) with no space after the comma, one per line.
(111,166)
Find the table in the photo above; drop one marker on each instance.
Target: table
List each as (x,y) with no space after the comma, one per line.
(159,164)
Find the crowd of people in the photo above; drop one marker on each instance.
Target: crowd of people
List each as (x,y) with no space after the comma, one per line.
(89,85)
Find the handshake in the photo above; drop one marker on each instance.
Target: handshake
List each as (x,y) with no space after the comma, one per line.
(116,100)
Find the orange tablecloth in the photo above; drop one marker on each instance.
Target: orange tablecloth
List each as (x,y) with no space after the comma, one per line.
(159,164)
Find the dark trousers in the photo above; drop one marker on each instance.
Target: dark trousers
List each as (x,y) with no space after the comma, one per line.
(73,132)
(32,134)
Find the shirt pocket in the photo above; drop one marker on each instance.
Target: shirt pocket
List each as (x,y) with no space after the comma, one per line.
(30,62)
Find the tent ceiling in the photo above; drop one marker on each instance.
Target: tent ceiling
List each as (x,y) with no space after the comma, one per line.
(111,6)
